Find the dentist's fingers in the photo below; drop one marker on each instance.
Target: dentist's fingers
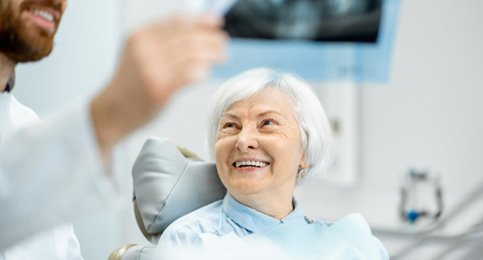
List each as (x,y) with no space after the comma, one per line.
(158,59)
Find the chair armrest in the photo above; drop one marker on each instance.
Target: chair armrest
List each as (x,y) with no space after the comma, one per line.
(132,252)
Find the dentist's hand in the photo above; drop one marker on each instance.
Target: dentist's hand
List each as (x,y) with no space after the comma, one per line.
(157,60)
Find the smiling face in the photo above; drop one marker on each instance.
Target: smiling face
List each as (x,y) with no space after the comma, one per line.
(258,147)
(28,27)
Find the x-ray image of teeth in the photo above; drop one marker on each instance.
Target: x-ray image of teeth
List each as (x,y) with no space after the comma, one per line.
(318,20)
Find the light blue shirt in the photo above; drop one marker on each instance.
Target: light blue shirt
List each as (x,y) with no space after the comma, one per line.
(295,234)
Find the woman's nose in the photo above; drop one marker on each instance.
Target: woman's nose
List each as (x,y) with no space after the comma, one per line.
(247,140)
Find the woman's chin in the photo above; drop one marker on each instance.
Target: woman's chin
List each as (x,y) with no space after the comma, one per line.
(244,187)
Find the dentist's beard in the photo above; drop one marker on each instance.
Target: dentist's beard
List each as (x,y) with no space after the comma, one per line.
(19,41)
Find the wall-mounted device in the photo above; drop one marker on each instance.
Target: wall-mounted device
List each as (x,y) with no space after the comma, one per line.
(421,197)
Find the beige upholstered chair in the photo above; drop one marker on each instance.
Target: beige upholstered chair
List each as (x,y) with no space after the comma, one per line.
(169,182)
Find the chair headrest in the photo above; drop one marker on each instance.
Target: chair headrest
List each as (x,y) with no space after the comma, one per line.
(167,185)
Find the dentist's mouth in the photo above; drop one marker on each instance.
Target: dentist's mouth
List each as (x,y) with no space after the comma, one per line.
(246,164)
(44,14)
(46,19)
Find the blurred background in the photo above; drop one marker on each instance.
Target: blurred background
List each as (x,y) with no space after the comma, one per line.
(406,111)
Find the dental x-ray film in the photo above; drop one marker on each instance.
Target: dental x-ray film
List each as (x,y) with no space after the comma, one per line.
(315,20)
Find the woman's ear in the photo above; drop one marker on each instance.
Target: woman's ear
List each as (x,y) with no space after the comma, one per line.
(303,163)
(301,172)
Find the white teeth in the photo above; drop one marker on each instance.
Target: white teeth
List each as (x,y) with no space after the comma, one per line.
(45,15)
(250,163)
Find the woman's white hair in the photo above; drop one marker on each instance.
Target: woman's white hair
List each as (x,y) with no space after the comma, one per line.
(311,117)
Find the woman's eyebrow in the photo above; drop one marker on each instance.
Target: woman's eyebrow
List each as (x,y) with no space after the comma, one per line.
(229,115)
(261,114)
(269,112)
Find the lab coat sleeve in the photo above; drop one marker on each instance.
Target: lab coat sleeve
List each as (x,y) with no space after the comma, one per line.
(51,173)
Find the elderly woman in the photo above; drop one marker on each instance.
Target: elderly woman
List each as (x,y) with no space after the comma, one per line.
(267,131)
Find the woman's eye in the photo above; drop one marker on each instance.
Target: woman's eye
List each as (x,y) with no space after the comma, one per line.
(229,125)
(268,122)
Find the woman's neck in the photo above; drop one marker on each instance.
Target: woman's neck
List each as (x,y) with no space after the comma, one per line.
(275,206)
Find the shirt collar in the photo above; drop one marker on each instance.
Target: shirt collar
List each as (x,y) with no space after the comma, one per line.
(255,221)
(10,83)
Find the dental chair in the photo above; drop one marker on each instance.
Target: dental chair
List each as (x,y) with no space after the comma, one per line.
(168,182)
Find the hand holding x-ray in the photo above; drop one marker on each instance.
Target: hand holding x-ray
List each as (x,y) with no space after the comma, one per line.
(213,7)
(159,58)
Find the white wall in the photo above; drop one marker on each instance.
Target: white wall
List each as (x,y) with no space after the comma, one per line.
(83,57)
(429,115)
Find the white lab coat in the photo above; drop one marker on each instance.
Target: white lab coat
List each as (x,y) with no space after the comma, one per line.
(57,243)
(50,174)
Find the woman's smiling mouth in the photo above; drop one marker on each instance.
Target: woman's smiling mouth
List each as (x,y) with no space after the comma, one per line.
(250,163)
